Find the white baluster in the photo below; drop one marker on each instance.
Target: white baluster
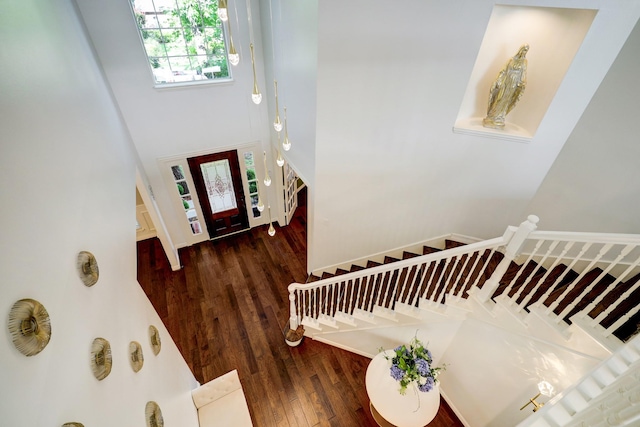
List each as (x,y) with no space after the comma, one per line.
(588,289)
(533,291)
(520,271)
(430,274)
(603,251)
(610,288)
(459,288)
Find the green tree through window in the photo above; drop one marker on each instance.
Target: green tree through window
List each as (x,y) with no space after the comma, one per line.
(183,39)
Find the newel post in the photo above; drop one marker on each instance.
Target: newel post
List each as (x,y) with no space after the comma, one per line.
(293,336)
(293,317)
(512,250)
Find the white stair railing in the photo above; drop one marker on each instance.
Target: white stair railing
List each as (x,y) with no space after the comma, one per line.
(452,274)
(426,277)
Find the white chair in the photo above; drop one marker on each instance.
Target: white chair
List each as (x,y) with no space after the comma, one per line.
(221,402)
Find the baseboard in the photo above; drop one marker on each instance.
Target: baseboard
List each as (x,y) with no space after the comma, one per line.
(455,410)
(343,347)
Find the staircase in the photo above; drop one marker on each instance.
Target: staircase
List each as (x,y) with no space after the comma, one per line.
(544,284)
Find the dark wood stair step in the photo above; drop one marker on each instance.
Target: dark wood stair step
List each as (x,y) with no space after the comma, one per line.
(632,326)
(613,295)
(407,255)
(450,244)
(553,276)
(426,250)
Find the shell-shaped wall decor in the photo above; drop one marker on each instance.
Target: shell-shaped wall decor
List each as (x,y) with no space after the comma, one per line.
(154,337)
(87,268)
(30,326)
(135,355)
(153,414)
(101,358)
(72,425)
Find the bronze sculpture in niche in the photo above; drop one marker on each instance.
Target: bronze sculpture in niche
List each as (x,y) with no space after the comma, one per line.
(507,89)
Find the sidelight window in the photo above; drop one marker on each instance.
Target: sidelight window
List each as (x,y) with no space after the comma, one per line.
(187,201)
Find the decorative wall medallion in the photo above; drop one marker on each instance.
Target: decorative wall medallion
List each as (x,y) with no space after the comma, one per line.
(72,425)
(153,415)
(87,268)
(135,355)
(30,326)
(154,336)
(101,358)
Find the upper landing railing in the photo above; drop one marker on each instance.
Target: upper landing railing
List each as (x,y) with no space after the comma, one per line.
(591,275)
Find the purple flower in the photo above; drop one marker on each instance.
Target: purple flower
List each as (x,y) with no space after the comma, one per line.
(423,367)
(396,373)
(428,385)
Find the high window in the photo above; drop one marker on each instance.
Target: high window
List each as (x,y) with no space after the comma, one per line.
(184,40)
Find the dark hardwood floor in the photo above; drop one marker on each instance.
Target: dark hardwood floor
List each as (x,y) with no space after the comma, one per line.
(227,308)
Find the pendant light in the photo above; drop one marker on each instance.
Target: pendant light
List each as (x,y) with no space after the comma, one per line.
(267,178)
(280,159)
(234,57)
(277,124)
(222,10)
(256,96)
(286,144)
(260,203)
(271,231)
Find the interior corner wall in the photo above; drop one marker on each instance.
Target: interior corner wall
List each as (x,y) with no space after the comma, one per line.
(390,172)
(68,184)
(594,183)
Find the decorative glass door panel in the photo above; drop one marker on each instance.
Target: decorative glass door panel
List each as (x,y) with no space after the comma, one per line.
(217,180)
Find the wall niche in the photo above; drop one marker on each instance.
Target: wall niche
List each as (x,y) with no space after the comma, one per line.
(554,35)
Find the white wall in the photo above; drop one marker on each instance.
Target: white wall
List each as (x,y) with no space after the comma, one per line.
(389,170)
(593,185)
(68,184)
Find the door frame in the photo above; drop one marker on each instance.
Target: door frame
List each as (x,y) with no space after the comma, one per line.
(165,164)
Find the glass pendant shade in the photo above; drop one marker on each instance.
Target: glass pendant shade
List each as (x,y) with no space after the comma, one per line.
(260,204)
(234,57)
(277,124)
(256,96)
(286,144)
(267,178)
(271,231)
(222,10)
(279,160)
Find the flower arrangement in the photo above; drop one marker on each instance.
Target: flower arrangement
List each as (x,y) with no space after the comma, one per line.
(413,364)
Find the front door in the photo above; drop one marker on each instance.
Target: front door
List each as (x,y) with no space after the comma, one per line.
(218,182)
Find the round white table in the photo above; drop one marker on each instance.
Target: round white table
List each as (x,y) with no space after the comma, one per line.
(413,409)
